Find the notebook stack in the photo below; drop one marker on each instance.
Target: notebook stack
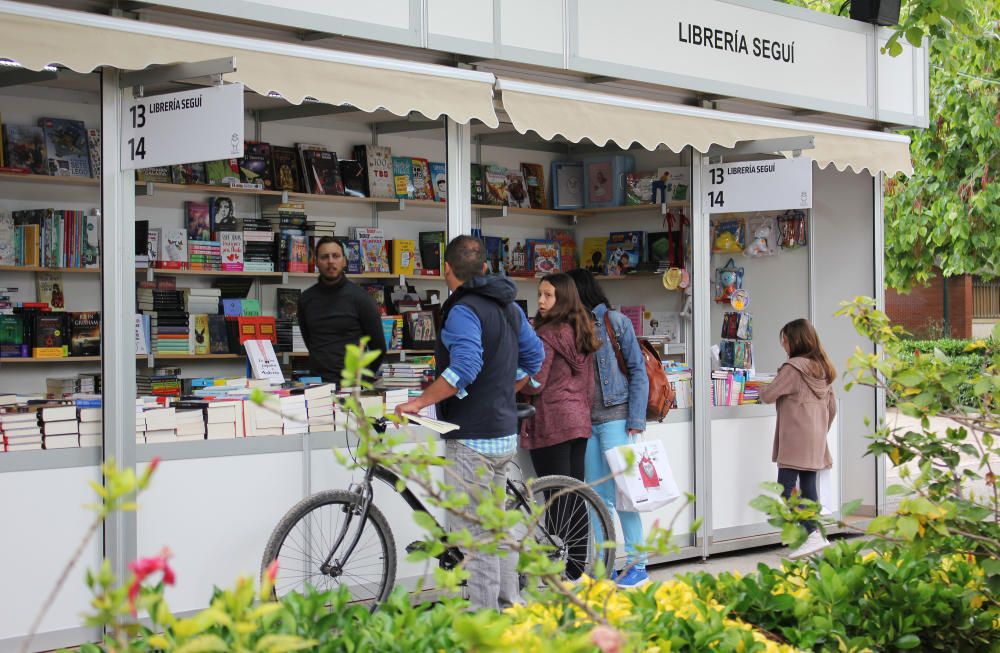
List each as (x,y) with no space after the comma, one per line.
(319,407)
(60,428)
(258,245)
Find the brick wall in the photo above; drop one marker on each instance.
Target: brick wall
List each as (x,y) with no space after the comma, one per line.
(921,311)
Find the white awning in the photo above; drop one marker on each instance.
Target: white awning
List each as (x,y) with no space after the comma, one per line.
(602,118)
(35,36)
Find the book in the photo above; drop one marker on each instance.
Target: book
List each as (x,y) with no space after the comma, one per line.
(419,330)
(374,255)
(255,166)
(567,185)
(24,148)
(158,174)
(402,177)
(50,290)
(496,259)
(671,184)
(94,145)
(287,303)
(639,187)
(90,253)
(66,148)
(189,173)
(298,253)
(602,187)
(352,174)
(199,226)
(231,250)
(623,257)
(352,251)
(517,191)
(665,324)
(438,426)
(323,173)
(218,338)
(544,256)
(12,340)
(403,256)
(422,188)
(439,180)
(534,179)
(377,163)
(285,169)
(495,183)
(9,248)
(431,245)
(567,246)
(222,172)
(634,314)
(50,339)
(173,249)
(263,360)
(85,334)
(200,334)
(593,256)
(478,187)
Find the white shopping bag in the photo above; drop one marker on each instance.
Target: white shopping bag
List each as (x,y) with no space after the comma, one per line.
(649,484)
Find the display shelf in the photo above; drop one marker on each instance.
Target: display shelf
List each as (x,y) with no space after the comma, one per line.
(301,354)
(266,275)
(49,459)
(207,273)
(370,275)
(38,268)
(601,277)
(743,411)
(47,179)
(63,359)
(167,356)
(503,211)
(151,187)
(629,208)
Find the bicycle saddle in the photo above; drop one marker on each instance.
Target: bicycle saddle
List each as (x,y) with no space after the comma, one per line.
(524,411)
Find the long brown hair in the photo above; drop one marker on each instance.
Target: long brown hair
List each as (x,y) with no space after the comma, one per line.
(804,342)
(569,309)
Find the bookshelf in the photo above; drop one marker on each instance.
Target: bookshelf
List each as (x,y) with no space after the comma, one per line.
(37,268)
(291,275)
(13,177)
(43,361)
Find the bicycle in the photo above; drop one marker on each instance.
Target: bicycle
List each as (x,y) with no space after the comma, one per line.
(315,544)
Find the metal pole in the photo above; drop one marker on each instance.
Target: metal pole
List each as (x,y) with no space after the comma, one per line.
(458,143)
(701,363)
(878,221)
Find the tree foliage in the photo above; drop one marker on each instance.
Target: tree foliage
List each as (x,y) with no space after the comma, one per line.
(947,215)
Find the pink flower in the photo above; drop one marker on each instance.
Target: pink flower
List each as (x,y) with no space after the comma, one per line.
(272,572)
(144,567)
(607,639)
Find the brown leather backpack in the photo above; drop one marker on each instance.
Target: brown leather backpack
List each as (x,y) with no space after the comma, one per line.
(661,393)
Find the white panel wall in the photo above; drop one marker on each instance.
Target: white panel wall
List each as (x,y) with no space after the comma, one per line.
(532,25)
(459,19)
(44,521)
(843,236)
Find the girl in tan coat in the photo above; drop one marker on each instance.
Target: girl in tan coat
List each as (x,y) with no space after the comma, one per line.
(806,407)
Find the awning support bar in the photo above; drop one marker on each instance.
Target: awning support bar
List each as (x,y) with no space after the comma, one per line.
(765,146)
(178,72)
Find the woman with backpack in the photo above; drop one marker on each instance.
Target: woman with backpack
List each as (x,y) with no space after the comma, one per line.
(618,411)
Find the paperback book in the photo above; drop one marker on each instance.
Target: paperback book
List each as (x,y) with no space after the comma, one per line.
(24,148)
(402,177)
(422,188)
(377,162)
(85,334)
(285,167)
(68,154)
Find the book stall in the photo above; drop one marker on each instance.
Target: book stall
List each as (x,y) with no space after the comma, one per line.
(160,200)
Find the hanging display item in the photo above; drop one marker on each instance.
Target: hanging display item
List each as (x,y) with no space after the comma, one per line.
(740,299)
(792,229)
(728,236)
(762,236)
(672,278)
(729,279)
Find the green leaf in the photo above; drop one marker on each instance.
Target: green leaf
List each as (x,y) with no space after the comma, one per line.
(203,644)
(915,36)
(908,642)
(896,489)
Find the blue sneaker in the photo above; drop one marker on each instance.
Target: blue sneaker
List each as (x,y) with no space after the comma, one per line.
(614,575)
(635,577)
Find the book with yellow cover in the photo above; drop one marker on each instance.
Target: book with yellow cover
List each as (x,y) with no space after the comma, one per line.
(594,252)
(403,256)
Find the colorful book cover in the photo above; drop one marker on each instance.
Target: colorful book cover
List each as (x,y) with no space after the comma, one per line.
(50,290)
(659,245)
(637,239)
(377,160)
(49,336)
(201,335)
(173,249)
(517,191)
(94,145)
(24,147)
(305,165)
(250,307)
(431,251)
(495,257)
(352,250)
(232,307)
(478,187)
(534,179)
(189,173)
(324,175)
(403,255)
(153,238)
(231,250)
(402,177)
(222,172)
(218,337)
(298,253)
(544,256)
(158,174)
(567,185)
(285,169)
(495,183)
(199,226)
(639,187)
(422,188)
(439,181)
(12,343)
(623,257)
(671,184)
(255,166)
(374,255)
(594,252)
(567,246)
(90,254)
(66,148)
(602,180)
(634,314)
(8,237)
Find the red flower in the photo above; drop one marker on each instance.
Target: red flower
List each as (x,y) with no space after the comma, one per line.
(272,572)
(144,567)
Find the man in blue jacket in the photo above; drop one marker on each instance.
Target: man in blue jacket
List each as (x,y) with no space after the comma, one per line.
(486,350)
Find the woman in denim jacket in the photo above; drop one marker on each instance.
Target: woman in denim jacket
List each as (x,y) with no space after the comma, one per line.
(618,411)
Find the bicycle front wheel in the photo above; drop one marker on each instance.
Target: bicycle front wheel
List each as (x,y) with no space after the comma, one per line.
(306,535)
(575,525)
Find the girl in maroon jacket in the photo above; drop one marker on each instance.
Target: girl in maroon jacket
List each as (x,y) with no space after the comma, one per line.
(556,437)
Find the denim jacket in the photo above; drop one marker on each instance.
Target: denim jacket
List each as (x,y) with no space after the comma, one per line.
(616,388)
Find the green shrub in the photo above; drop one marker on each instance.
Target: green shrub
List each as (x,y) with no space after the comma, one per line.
(967,362)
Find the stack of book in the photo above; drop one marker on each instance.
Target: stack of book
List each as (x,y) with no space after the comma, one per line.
(258,245)
(260,421)
(417,372)
(63,387)
(320,227)
(190,424)
(288,221)
(60,428)
(159,382)
(753,385)
(294,414)
(319,407)
(204,255)
(91,420)
(19,429)
(679,376)
(394,398)
(298,342)
(202,300)
(160,425)
(727,387)
(224,419)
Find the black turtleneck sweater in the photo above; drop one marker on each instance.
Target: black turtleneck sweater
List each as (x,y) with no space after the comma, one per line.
(332,316)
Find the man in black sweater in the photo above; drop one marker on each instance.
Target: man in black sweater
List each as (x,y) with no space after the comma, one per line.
(335,313)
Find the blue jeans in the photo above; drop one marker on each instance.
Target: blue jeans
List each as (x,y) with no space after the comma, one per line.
(604,437)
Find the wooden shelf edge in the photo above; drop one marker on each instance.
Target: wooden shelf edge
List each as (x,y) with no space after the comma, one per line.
(49,179)
(38,268)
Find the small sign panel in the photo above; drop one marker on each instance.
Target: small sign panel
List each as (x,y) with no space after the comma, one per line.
(770,185)
(202,125)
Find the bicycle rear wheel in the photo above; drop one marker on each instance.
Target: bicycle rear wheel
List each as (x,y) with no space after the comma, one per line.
(575,523)
(305,535)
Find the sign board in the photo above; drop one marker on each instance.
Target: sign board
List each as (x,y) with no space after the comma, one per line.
(769,185)
(201,125)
